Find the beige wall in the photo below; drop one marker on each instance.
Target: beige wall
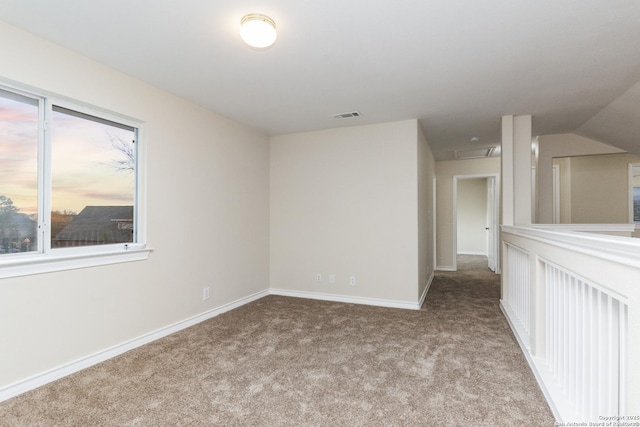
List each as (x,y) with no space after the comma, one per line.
(208,205)
(472,216)
(599,188)
(345,202)
(353,201)
(560,145)
(564,188)
(445,171)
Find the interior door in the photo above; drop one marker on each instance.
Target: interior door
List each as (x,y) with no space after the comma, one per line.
(491,224)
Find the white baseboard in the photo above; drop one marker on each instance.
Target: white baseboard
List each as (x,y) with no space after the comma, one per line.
(54,374)
(345,298)
(51,375)
(516,326)
(472,253)
(445,268)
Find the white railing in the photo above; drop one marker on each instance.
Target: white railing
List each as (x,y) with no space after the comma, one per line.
(585,342)
(519,297)
(583,298)
(625,230)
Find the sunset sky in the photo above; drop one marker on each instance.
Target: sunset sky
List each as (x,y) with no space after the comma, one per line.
(18,153)
(82,156)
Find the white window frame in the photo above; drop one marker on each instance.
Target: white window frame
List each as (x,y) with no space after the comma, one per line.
(46,259)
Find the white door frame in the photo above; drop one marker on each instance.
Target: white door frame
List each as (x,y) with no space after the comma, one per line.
(496,211)
(435,225)
(632,166)
(556,194)
(491,224)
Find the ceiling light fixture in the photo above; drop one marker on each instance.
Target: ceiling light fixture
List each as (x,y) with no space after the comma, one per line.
(258,31)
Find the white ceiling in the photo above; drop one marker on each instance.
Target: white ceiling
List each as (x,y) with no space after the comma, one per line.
(456,65)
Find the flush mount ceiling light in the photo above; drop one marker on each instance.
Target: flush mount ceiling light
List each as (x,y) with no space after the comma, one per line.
(258,31)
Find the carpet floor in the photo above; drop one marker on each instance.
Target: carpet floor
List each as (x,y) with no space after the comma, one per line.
(293,362)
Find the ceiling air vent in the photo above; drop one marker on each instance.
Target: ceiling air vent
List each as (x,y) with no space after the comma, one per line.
(348,115)
(474,154)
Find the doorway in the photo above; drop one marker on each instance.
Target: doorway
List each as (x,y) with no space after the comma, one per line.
(475,222)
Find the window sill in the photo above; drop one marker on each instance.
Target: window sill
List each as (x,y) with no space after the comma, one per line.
(25,265)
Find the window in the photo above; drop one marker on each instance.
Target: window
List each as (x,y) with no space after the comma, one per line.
(19,141)
(92,180)
(69,184)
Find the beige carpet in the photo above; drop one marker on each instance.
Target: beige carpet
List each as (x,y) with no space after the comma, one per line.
(294,362)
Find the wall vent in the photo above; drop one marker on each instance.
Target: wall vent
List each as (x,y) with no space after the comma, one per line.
(348,115)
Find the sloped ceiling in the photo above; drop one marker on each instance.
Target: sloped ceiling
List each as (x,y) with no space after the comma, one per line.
(456,65)
(618,123)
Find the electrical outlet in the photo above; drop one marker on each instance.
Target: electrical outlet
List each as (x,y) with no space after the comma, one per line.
(319,278)
(352,280)
(332,278)
(205,293)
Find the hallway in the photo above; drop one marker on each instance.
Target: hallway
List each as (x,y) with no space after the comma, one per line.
(487,369)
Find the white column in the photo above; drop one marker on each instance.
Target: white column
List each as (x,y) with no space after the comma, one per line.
(516,170)
(506,160)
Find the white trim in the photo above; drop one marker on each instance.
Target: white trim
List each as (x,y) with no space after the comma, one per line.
(346,299)
(38,380)
(46,259)
(496,209)
(426,289)
(532,364)
(589,228)
(25,265)
(492,226)
(569,253)
(454,223)
(534,194)
(630,197)
(51,375)
(445,268)
(632,166)
(140,208)
(555,205)
(623,250)
(44,169)
(435,223)
(516,327)
(88,108)
(473,253)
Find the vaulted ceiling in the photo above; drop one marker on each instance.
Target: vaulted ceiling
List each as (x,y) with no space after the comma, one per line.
(456,65)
